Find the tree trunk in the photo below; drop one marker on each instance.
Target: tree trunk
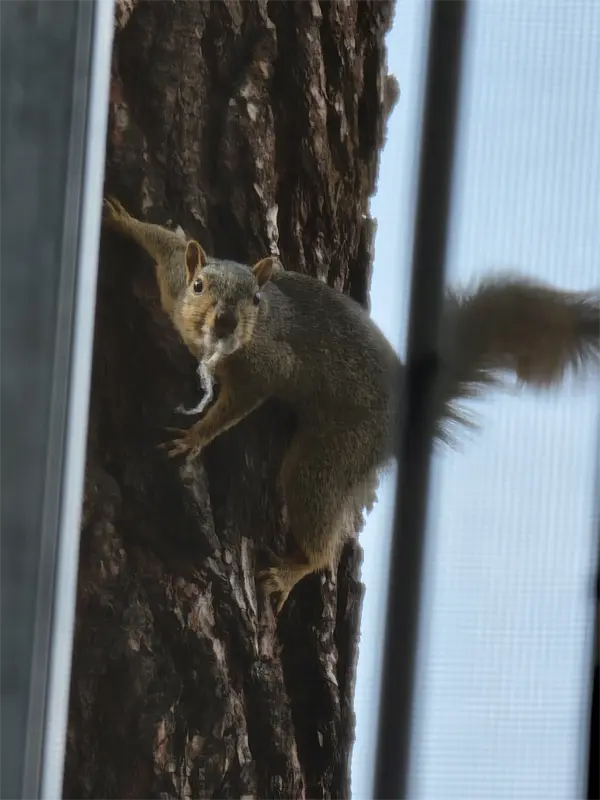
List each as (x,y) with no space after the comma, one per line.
(256,127)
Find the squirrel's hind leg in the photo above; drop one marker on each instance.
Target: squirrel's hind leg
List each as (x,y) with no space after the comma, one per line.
(319,475)
(279,578)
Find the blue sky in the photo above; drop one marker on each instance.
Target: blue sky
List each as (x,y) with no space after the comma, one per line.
(506,619)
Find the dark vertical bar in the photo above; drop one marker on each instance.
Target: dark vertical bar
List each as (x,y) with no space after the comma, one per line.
(431,230)
(46,49)
(593,776)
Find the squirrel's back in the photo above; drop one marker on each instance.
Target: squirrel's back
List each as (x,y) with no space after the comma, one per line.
(343,357)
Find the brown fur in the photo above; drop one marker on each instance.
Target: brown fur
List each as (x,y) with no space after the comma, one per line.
(511,325)
(319,352)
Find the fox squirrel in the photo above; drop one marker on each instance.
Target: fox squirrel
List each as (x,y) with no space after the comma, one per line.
(264,333)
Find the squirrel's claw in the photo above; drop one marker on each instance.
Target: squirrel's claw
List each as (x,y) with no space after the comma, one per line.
(114,215)
(186,442)
(177,446)
(109,210)
(270,582)
(181,431)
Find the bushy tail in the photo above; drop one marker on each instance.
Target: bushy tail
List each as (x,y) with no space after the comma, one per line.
(513,325)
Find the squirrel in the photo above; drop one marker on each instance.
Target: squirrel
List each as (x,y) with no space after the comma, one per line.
(264,332)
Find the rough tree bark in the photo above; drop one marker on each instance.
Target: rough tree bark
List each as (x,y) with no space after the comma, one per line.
(257,127)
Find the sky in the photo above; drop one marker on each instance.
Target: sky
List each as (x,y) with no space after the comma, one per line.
(507,615)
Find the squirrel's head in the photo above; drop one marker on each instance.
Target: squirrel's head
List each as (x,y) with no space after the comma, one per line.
(221,303)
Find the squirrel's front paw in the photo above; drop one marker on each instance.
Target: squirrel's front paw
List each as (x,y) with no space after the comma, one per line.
(113,212)
(188,442)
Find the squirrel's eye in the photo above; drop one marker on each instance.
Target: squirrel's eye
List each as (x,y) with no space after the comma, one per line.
(256,298)
(198,286)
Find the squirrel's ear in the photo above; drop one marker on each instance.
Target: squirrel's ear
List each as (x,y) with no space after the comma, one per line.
(262,270)
(194,257)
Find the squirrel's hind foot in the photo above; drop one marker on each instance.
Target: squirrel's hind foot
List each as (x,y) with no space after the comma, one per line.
(279,576)
(272,583)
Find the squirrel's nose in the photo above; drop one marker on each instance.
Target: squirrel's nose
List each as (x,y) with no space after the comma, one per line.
(225,323)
